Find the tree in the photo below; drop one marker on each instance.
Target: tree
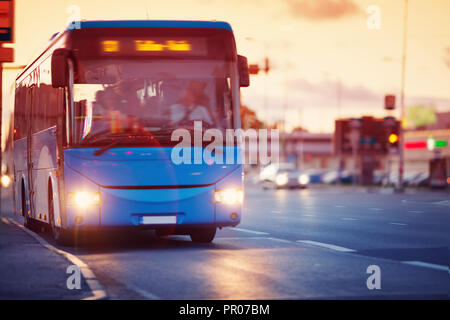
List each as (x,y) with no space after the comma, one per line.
(419,116)
(249,119)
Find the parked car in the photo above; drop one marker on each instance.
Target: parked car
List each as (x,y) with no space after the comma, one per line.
(332,177)
(408,179)
(316,175)
(282,175)
(422,180)
(378,177)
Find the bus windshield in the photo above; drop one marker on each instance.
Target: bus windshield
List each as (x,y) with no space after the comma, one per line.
(115,97)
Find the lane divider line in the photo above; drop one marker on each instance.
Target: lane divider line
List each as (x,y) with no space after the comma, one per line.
(249,231)
(147,295)
(398,224)
(279,240)
(94,285)
(442,203)
(428,265)
(239,238)
(349,219)
(326,245)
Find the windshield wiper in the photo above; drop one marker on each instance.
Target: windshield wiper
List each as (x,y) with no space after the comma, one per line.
(97,137)
(120,139)
(108,146)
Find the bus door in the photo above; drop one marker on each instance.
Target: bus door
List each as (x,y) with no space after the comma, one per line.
(31,105)
(28,108)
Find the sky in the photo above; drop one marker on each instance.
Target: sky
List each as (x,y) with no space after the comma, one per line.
(329,58)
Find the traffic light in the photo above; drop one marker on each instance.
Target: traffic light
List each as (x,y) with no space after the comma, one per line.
(392,127)
(253,69)
(393,138)
(389,102)
(266,65)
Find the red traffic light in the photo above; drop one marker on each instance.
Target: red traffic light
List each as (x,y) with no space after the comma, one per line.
(253,69)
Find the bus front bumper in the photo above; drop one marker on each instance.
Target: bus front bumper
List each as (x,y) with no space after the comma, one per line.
(156,208)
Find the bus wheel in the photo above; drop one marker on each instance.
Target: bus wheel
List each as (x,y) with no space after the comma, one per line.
(61,236)
(203,235)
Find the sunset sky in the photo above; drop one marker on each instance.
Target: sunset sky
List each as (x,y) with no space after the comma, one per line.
(314,46)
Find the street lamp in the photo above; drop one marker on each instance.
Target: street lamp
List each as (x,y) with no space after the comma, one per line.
(338,103)
(401,154)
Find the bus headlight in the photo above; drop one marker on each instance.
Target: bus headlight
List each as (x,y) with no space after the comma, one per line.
(6,180)
(83,199)
(229,196)
(303,179)
(282,179)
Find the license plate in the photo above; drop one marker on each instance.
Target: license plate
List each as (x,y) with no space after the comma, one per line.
(159,220)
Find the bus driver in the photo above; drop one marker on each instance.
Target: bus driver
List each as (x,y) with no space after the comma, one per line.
(192,105)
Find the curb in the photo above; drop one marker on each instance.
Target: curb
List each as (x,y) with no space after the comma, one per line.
(98,293)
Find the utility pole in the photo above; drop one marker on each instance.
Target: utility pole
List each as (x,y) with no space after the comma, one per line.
(266,72)
(6,55)
(401,154)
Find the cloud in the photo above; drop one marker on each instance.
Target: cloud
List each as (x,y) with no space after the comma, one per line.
(326,93)
(322,9)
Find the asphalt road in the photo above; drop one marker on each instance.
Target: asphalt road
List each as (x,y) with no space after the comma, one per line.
(292,244)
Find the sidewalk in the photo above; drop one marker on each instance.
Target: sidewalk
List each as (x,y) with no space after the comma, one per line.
(28,270)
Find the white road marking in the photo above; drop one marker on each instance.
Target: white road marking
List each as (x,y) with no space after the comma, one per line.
(254,238)
(249,231)
(376,209)
(145,294)
(5,221)
(349,219)
(338,206)
(94,285)
(416,211)
(279,240)
(442,203)
(427,265)
(398,224)
(239,238)
(326,245)
(276,211)
(309,215)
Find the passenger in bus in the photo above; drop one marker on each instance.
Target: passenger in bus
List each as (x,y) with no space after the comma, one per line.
(126,97)
(99,103)
(120,105)
(192,106)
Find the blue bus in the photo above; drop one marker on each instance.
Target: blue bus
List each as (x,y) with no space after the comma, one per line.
(93,128)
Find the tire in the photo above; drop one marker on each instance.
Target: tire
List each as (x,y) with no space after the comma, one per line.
(61,236)
(203,235)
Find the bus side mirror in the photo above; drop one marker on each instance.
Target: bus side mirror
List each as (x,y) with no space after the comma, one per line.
(244,76)
(60,69)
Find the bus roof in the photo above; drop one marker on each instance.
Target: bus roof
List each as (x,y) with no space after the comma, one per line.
(152,24)
(130,24)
